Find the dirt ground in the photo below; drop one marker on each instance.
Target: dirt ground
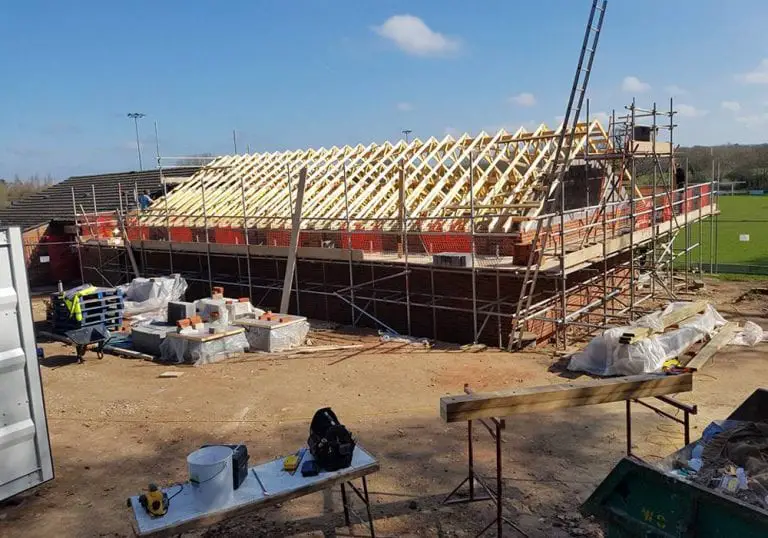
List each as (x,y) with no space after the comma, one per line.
(116,426)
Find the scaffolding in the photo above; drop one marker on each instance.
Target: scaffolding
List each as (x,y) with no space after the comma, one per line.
(655,216)
(486,203)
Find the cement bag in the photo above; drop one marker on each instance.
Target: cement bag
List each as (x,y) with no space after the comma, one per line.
(140,289)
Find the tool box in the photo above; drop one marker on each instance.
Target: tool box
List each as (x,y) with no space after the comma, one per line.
(239,463)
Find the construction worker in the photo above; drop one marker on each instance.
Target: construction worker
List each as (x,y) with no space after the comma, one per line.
(679,177)
(679,186)
(144,200)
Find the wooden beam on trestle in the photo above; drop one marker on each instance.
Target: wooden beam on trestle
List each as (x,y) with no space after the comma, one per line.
(551,397)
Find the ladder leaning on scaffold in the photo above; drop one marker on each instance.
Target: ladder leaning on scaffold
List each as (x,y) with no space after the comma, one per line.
(554,178)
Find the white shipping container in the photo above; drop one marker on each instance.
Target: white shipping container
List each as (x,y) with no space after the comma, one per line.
(25,450)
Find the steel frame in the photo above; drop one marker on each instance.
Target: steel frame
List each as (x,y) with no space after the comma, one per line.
(494,426)
(363,496)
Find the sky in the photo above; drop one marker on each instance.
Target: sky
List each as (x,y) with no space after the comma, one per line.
(294,74)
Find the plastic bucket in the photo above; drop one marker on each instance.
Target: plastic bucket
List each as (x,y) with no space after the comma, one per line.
(210,475)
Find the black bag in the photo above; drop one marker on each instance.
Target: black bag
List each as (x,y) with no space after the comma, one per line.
(330,443)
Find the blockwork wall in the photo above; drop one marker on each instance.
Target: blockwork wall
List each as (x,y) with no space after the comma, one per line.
(438,303)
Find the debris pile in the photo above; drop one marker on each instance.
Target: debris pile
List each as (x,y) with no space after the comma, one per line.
(731,458)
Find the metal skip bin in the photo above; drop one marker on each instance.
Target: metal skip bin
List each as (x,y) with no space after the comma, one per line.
(25,450)
(640,499)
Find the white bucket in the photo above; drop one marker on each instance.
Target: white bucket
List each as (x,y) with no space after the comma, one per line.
(210,475)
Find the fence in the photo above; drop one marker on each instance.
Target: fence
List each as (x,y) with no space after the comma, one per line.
(735,269)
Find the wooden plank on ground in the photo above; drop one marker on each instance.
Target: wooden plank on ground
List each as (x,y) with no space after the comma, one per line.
(207,337)
(683,313)
(718,342)
(634,334)
(550,397)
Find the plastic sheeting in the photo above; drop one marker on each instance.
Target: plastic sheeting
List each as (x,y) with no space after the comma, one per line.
(149,297)
(183,350)
(606,356)
(280,338)
(385,336)
(750,335)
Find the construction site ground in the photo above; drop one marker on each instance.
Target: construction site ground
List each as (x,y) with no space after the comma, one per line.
(116,426)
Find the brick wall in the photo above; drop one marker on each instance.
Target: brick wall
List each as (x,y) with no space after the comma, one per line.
(449,290)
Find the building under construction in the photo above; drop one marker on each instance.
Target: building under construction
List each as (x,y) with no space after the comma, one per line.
(460,239)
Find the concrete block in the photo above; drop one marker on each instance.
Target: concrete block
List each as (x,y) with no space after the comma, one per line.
(282,332)
(212,309)
(238,309)
(147,338)
(180,310)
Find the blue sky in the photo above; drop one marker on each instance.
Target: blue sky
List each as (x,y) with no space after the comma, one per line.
(289,74)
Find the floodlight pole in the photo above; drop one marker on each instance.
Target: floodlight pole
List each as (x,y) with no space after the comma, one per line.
(135,116)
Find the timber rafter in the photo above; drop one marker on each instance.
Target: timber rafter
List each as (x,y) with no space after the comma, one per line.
(508,170)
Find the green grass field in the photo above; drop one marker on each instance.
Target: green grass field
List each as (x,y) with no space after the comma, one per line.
(738,215)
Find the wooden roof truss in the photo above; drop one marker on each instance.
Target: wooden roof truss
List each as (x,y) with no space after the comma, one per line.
(364,185)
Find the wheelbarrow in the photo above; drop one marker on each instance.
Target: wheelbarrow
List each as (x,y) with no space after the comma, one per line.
(84,337)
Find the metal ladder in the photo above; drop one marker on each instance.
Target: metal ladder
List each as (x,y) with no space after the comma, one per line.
(557,173)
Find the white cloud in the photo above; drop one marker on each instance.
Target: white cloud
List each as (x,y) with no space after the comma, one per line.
(759,75)
(733,106)
(634,85)
(413,36)
(603,117)
(507,126)
(452,131)
(404,106)
(674,90)
(753,120)
(523,99)
(690,111)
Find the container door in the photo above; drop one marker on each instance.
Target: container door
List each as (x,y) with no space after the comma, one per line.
(25,450)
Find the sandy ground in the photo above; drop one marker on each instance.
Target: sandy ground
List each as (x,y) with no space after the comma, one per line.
(115,426)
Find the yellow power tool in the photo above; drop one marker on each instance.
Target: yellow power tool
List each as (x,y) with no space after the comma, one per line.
(155,501)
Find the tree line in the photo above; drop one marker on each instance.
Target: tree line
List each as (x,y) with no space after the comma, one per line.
(747,163)
(17,188)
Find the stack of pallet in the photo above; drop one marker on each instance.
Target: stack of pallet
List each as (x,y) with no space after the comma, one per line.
(99,306)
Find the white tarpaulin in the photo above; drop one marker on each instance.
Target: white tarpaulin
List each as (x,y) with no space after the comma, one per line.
(750,335)
(199,352)
(150,296)
(606,356)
